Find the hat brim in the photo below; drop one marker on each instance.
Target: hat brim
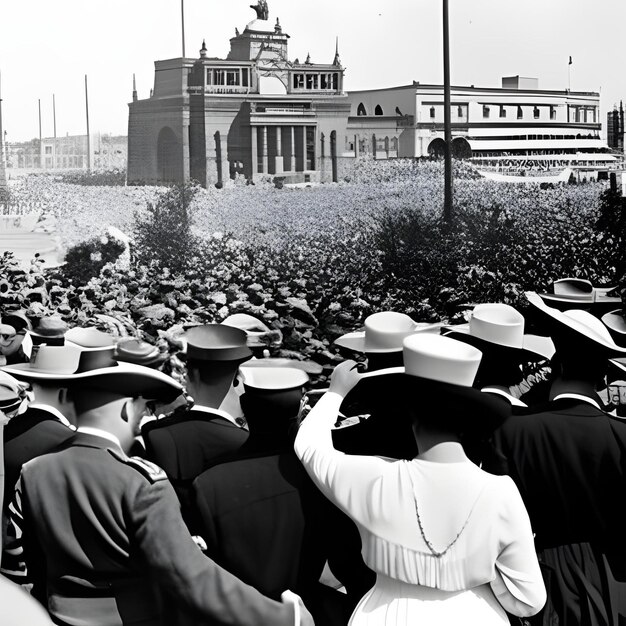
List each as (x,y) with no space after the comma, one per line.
(355,341)
(125,378)
(574,325)
(310,367)
(534,348)
(598,298)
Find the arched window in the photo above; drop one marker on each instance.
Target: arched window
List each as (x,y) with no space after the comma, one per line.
(361,109)
(378,110)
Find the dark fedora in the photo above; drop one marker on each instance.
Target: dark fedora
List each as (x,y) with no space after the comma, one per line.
(217,342)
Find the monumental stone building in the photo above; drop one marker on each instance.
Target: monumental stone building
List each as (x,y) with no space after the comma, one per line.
(254,113)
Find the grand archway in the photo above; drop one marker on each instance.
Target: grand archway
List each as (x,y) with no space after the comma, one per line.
(437,148)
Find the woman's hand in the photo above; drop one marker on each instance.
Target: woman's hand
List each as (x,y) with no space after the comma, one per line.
(345,377)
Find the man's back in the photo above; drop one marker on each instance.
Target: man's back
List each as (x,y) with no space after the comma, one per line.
(99,529)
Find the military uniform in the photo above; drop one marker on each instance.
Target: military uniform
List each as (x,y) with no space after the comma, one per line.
(100,530)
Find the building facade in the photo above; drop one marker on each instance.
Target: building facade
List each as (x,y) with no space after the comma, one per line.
(517,125)
(615,128)
(254,113)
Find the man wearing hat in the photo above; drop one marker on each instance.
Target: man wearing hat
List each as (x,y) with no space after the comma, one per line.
(497,330)
(260,515)
(187,443)
(567,458)
(100,529)
(13,331)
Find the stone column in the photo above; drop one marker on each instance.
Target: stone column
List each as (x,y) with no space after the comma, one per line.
(255,151)
(304,155)
(264,148)
(292,151)
(279,149)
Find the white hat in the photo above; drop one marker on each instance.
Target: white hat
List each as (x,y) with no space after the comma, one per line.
(497,324)
(439,358)
(384,333)
(273,378)
(89,339)
(615,322)
(572,291)
(582,322)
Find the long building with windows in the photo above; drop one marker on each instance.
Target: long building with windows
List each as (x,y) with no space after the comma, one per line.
(255,113)
(516,126)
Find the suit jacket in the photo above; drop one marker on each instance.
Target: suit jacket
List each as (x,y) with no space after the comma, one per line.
(100,529)
(568,459)
(264,520)
(185,445)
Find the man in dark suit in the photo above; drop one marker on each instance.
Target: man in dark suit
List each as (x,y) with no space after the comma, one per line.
(567,459)
(261,516)
(185,444)
(100,529)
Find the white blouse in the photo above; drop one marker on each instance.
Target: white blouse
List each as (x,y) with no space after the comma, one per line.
(495,547)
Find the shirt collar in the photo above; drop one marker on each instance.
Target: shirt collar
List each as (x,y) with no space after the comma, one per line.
(52,410)
(98,432)
(219,412)
(578,396)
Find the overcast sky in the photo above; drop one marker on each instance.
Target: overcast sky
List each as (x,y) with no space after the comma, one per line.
(47,47)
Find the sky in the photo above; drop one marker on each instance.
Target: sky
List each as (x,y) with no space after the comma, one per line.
(48,46)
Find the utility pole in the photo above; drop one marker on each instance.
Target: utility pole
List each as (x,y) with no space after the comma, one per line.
(447,197)
(40,140)
(88,137)
(182,21)
(54,121)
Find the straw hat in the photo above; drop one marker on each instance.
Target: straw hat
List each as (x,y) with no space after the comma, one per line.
(384,333)
(96,368)
(583,324)
(500,327)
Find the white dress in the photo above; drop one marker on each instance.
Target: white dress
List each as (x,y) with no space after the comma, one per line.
(492,565)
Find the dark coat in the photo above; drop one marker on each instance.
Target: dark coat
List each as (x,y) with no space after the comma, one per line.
(184,445)
(568,459)
(264,520)
(100,529)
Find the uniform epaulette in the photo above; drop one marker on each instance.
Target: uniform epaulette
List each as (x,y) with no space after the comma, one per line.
(149,470)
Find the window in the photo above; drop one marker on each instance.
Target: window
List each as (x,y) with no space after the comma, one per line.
(244,77)
(298,81)
(459,112)
(485,110)
(335,81)
(378,110)
(520,113)
(219,77)
(233,78)
(361,109)
(48,149)
(432,113)
(536,113)
(324,81)
(502,111)
(552,113)
(311,81)
(209,77)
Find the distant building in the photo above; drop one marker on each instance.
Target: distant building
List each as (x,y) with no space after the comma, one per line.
(254,113)
(517,123)
(67,153)
(615,128)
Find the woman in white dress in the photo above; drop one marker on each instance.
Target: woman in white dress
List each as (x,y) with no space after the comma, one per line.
(450,544)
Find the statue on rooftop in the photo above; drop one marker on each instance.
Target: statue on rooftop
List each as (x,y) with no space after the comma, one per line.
(262,10)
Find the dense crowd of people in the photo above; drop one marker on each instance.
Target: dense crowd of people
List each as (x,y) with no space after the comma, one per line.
(425,485)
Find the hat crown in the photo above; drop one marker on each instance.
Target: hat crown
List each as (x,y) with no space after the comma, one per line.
(274,378)
(498,323)
(217,342)
(440,358)
(385,331)
(89,338)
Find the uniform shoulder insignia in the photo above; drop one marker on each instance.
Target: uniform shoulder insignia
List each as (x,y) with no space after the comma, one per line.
(147,469)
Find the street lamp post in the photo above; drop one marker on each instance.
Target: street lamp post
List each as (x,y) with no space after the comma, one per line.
(447,197)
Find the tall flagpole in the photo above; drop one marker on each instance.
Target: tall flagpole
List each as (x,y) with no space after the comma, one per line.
(88,136)
(182,21)
(41,163)
(447,197)
(54,120)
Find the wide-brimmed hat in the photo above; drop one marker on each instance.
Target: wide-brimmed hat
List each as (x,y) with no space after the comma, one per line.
(500,328)
(138,352)
(581,294)
(384,333)
(49,330)
(216,342)
(258,334)
(89,338)
(615,322)
(581,323)
(94,368)
(443,370)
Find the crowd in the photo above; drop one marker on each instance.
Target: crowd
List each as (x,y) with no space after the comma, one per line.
(425,485)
